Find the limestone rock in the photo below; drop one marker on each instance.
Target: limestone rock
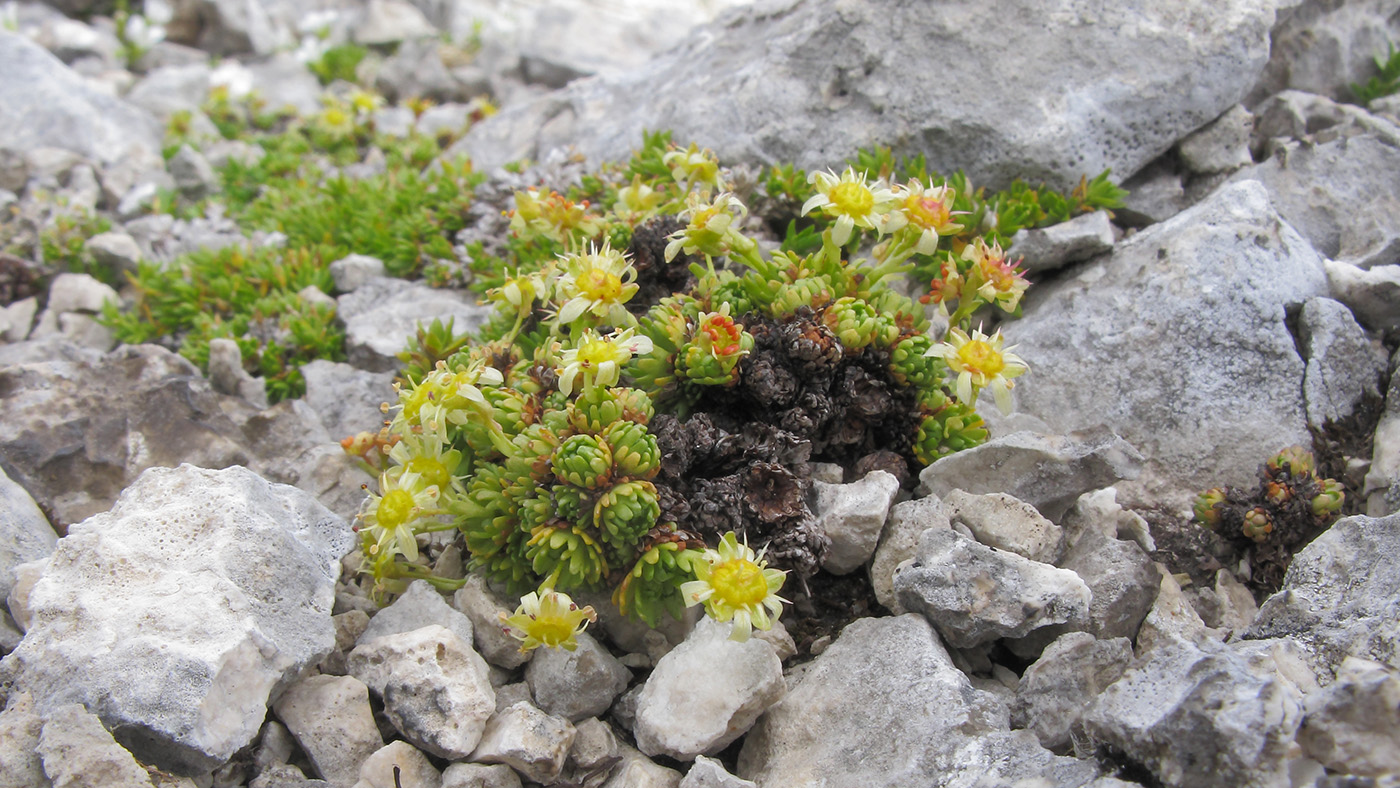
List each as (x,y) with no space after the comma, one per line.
(1221,145)
(25,533)
(529,741)
(477,775)
(176,615)
(1055,691)
(481,606)
(706,693)
(78,752)
(331,718)
(576,684)
(853,515)
(1170,374)
(1373,295)
(21,766)
(710,773)
(1382,483)
(382,314)
(346,399)
(419,606)
(1353,725)
(1343,366)
(974,594)
(1049,248)
(353,271)
(414,769)
(900,540)
(999,520)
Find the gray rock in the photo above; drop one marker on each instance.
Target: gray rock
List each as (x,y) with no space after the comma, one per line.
(710,773)
(1048,472)
(169,89)
(1169,375)
(383,314)
(639,771)
(390,22)
(1351,220)
(974,594)
(414,769)
(779,107)
(1058,245)
(227,27)
(25,533)
(331,718)
(1172,618)
(19,317)
(706,693)
(436,689)
(252,567)
(193,176)
(1155,194)
(115,251)
(77,752)
(1056,690)
(284,82)
(21,766)
(285,776)
(900,540)
(353,271)
(1372,295)
(14,169)
(1341,595)
(1221,145)
(1382,482)
(1353,725)
(1122,579)
(1099,510)
(275,746)
(419,606)
(529,741)
(44,104)
(1200,716)
(482,607)
(595,743)
(1308,117)
(861,716)
(1323,47)
(576,684)
(417,69)
(999,520)
(84,330)
(476,775)
(1343,365)
(25,576)
(79,293)
(227,375)
(852,515)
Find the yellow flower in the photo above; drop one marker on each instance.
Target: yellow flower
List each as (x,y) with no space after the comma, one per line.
(711,229)
(597,283)
(365,103)
(447,395)
(851,200)
(692,166)
(598,361)
(520,292)
(637,202)
(551,620)
(927,211)
(980,361)
(1002,281)
(427,456)
(388,517)
(734,584)
(553,216)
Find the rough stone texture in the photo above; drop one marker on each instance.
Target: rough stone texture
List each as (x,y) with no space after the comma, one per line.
(45,104)
(419,606)
(21,766)
(1372,295)
(383,313)
(853,515)
(415,770)
(1122,579)
(974,594)
(1382,483)
(1221,145)
(353,271)
(117,251)
(481,606)
(79,752)
(1048,472)
(227,27)
(1343,365)
(786,106)
(900,540)
(1178,343)
(1055,691)
(476,775)
(1353,725)
(1341,595)
(885,707)
(533,743)
(25,533)
(1353,219)
(1099,510)
(176,615)
(1323,46)
(1067,242)
(639,771)
(331,718)
(1200,716)
(999,520)
(79,293)
(594,743)
(436,689)
(347,399)
(1171,619)
(576,684)
(102,420)
(282,775)
(706,693)
(710,773)
(193,175)
(227,375)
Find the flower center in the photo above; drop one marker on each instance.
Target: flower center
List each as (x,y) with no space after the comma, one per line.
(593,352)
(926,212)
(430,470)
(982,357)
(724,334)
(739,582)
(552,630)
(852,199)
(394,508)
(599,285)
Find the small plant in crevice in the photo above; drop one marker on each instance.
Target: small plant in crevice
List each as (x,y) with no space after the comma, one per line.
(1385,82)
(655,382)
(1291,505)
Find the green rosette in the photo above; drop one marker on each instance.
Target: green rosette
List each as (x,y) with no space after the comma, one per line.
(624,514)
(910,367)
(634,449)
(583,461)
(652,585)
(568,554)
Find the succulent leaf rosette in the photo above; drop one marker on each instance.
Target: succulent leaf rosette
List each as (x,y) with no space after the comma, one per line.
(645,403)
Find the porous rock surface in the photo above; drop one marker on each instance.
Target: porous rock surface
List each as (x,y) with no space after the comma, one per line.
(179,613)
